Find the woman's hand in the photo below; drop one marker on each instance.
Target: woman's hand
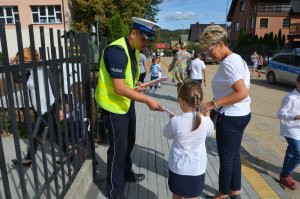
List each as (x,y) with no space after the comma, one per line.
(206,107)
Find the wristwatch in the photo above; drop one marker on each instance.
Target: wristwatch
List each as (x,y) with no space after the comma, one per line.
(215,103)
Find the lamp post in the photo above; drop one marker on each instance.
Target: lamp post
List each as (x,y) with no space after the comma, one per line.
(97,28)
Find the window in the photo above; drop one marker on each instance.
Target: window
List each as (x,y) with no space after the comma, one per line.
(251,23)
(242,5)
(236,26)
(46,14)
(285,59)
(286,23)
(9,14)
(264,23)
(248,24)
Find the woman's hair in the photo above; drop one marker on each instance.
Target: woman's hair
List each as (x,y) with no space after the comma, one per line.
(212,35)
(183,45)
(298,78)
(191,92)
(27,54)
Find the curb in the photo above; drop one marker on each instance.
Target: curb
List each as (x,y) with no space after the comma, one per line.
(82,182)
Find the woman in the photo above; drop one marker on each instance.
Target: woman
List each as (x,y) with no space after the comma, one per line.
(255,61)
(230,88)
(180,64)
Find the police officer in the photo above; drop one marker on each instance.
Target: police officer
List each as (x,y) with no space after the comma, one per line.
(115,94)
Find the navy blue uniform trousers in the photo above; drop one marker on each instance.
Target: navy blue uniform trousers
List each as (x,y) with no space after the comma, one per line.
(121,134)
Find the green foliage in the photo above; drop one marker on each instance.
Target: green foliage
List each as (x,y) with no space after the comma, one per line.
(265,45)
(86,12)
(174,35)
(116,28)
(152,10)
(1,56)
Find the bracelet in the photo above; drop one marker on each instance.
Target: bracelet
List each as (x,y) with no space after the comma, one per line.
(214,103)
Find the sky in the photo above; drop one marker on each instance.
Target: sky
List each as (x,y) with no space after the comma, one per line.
(179,14)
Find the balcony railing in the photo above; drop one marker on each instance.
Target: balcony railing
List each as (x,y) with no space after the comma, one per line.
(295,28)
(274,8)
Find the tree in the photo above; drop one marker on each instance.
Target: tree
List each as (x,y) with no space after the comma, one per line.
(116,28)
(152,10)
(84,12)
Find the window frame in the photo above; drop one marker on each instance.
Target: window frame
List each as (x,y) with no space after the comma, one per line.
(237,26)
(260,22)
(289,23)
(242,6)
(13,15)
(45,18)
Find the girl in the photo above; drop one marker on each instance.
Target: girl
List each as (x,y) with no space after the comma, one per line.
(188,158)
(289,115)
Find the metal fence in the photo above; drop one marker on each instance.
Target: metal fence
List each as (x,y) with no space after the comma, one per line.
(50,106)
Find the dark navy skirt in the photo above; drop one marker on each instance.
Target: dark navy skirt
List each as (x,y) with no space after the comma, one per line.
(186,186)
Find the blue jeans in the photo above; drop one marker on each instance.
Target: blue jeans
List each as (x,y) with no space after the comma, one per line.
(229,134)
(292,156)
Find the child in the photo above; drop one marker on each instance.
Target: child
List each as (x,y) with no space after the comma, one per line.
(159,73)
(254,59)
(289,115)
(188,158)
(154,72)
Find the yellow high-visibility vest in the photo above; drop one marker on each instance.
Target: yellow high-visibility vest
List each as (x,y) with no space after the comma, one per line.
(105,94)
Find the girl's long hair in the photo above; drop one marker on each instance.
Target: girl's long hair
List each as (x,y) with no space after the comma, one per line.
(191,92)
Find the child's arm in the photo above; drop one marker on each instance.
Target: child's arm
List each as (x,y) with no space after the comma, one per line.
(283,112)
(209,127)
(168,130)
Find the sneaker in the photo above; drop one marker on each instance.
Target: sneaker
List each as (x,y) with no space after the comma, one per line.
(288,181)
(25,162)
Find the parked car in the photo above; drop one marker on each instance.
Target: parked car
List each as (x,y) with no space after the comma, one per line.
(208,59)
(290,50)
(192,52)
(283,67)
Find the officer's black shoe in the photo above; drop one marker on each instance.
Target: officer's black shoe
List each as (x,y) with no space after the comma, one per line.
(135,177)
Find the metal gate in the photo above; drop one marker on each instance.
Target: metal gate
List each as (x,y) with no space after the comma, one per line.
(49,105)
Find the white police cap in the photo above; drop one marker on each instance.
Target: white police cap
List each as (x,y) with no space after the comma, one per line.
(146,27)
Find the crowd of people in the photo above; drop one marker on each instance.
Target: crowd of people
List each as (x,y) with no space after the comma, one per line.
(120,84)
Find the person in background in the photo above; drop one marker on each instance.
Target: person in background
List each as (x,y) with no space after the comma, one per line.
(188,158)
(180,64)
(115,94)
(230,88)
(254,60)
(197,69)
(159,73)
(143,67)
(154,71)
(260,64)
(289,115)
(56,117)
(175,49)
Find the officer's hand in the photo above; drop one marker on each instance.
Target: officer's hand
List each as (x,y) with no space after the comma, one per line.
(139,87)
(154,105)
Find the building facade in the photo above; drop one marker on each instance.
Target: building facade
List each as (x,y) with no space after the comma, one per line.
(258,17)
(54,14)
